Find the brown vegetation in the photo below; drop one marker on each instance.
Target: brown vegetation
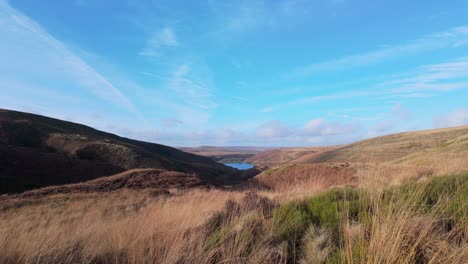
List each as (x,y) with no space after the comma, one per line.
(410,148)
(38,151)
(284,156)
(159,181)
(420,223)
(350,209)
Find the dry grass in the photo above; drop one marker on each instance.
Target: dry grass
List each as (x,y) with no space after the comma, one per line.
(409,230)
(138,227)
(302,180)
(410,148)
(281,156)
(92,228)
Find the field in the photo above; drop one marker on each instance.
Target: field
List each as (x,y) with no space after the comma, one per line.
(401,210)
(287,222)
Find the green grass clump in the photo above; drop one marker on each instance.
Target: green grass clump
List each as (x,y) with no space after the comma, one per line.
(291,220)
(326,210)
(449,194)
(318,228)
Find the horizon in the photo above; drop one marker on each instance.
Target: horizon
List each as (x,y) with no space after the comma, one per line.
(245,74)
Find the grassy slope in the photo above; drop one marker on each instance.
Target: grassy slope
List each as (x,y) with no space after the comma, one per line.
(280,156)
(38,151)
(414,223)
(407,147)
(399,146)
(388,159)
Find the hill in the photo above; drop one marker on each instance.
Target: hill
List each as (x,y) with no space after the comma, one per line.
(402,146)
(314,205)
(38,151)
(375,162)
(408,148)
(226,154)
(281,156)
(159,181)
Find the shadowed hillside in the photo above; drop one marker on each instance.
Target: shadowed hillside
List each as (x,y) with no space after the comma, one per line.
(159,181)
(37,151)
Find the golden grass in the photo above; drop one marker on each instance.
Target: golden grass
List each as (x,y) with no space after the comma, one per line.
(135,227)
(87,228)
(404,231)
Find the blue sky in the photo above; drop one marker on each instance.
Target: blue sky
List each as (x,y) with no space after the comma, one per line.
(265,73)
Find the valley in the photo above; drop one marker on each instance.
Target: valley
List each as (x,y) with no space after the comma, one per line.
(72,194)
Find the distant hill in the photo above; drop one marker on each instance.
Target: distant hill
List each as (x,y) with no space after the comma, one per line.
(402,147)
(390,159)
(225,154)
(415,147)
(38,151)
(281,156)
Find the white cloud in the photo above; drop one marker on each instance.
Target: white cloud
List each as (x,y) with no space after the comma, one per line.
(396,120)
(191,88)
(237,17)
(320,98)
(171,123)
(440,77)
(166,37)
(314,126)
(400,112)
(320,127)
(273,133)
(456,118)
(30,53)
(421,82)
(274,129)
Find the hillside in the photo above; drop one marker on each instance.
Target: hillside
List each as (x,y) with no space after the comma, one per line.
(408,147)
(38,151)
(281,156)
(226,154)
(300,210)
(157,180)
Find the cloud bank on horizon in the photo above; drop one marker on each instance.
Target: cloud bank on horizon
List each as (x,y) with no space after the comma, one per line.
(282,73)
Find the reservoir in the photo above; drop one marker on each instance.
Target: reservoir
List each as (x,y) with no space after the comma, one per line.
(240,166)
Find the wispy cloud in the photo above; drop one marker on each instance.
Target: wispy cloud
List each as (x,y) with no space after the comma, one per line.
(166,37)
(237,17)
(315,131)
(452,38)
(421,82)
(170,123)
(190,88)
(272,133)
(274,129)
(440,77)
(28,51)
(396,119)
(320,127)
(455,118)
(314,99)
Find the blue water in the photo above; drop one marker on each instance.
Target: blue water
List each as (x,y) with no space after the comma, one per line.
(240,166)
